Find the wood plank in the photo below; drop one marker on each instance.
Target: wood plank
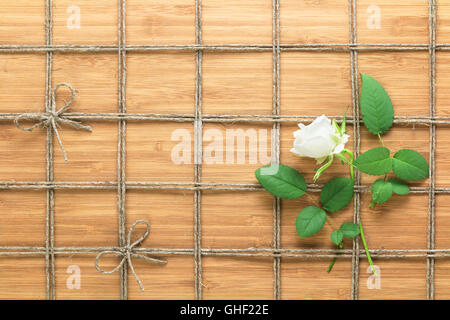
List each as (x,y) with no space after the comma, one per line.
(312,83)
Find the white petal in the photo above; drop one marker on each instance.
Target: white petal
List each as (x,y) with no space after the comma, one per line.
(316,147)
(345,138)
(339,148)
(318,139)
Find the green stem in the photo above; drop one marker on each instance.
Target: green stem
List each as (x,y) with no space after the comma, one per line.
(352,167)
(330,267)
(342,157)
(323,168)
(369,258)
(381,139)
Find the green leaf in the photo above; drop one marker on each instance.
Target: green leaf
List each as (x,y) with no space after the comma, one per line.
(349,229)
(376,161)
(282,181)
(410,165)
(337,194)
(381,191)
(376,106)
(398,186)
(337,236)
(309,221)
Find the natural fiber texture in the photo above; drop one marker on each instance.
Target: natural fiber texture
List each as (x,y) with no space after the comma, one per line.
(50,208)
(198,134)
(249,252)
(121,148)
(356,147)
(219,118)
(432,198)
(276,143)
(366,47)
(128,250)
(52,118)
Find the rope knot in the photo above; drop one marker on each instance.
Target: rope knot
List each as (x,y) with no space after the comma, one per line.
(52,118)
(127,252)
(127,249)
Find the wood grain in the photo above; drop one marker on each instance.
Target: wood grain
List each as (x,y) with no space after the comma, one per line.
(399,280)
(230,278)
(251,227)
(220,167)
(93,285)
(240,80)
(85,219)
(442,85)
(170,214)
(22,278)
(312,83)
(308,279)
(160,22)
(161,82)
(173,280)
(314,21)
(401,22)
(98,22)
(229,21)
(306,83)
(150,148)
(22,22)
(23,213)
(408,97)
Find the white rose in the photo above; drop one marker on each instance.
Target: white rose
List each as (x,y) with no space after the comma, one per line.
(319,139)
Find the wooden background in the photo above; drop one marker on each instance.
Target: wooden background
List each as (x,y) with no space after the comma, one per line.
(312,83)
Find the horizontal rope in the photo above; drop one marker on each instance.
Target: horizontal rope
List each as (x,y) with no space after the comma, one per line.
(52,118)
(343,47)
(110,185)
(127,253)
(248,252)
(414,120)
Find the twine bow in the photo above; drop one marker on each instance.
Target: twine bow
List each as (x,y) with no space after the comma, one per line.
(128,252)
(52,118)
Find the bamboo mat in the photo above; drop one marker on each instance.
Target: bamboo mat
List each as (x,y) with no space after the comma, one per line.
(164,82)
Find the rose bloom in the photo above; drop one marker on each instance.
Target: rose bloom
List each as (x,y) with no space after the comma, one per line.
(319,139)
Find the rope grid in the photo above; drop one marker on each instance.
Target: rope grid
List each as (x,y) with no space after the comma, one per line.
(49,251)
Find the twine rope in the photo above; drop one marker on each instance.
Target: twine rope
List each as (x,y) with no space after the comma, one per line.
(129,252)
(182,186)
(276,151)
(300,47)
(248,252)
(52,118)
(198,119)
(50,175)
(121,144)
(431,228)
(198,149)
(356,146)
(224,118)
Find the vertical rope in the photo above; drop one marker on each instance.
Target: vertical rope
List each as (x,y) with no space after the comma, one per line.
(50,202)
(432,194)
(198,128)
(356,146)
(121,149)
(276,143)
